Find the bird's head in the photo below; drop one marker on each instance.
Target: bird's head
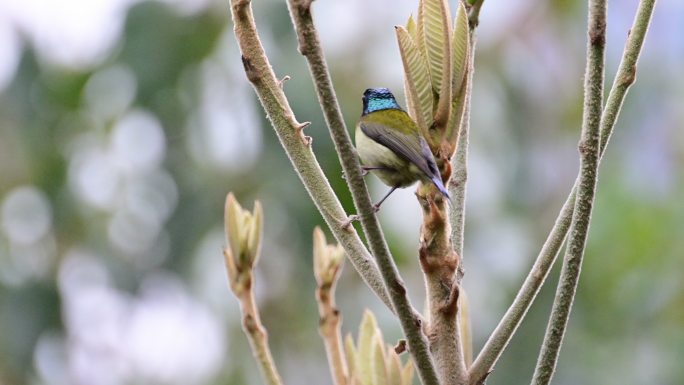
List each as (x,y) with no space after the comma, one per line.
(376,99)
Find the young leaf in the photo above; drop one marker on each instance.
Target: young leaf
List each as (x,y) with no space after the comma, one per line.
(460,49)
(411,28)
(366,348)
(407,373)
(464,327)
(417,79)
(379,370)
(437,32)
(456,117)
(419,39)
(393,367)
(350,352)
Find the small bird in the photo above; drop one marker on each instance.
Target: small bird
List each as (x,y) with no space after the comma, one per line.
(391,146)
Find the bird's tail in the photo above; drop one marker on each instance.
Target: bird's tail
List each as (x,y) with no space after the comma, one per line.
(437,181)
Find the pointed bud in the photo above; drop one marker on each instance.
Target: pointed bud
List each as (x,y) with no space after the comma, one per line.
(243,234)
(328,259)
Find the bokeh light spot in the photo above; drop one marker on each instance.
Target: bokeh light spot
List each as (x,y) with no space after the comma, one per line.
(138,142)
(26,215)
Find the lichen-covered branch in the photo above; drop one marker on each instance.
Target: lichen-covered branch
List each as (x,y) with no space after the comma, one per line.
(579,227)
(298,146)
(411,323)
(625,77)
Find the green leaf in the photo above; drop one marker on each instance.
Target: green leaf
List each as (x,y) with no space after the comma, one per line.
(460,49)
(437,32)
(417,80)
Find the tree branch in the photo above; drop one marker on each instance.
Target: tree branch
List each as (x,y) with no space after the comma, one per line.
(457,184)
(328,261)
(411,323)
(298,147)
(579,227)
(625,77)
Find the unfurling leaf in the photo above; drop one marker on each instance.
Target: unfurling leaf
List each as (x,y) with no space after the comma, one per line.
(379,369)
(328,259)
(243,233)
(464,327)
(373,362)
(411,28)
(367,332)
(460,49)
(393,369)
(350,353)
(417,78)
(407,374)
(436,25)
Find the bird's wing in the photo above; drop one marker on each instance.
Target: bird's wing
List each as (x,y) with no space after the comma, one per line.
(409,146)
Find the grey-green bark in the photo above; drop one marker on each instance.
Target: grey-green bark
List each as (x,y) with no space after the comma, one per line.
(625,77)
(410,320)
(579,227)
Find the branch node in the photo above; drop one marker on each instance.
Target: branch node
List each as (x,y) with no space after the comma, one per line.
(629,77)
(250,70)
(307,140)
(346,225)
(597,34)
(282,81)
(400,347)
(450,306)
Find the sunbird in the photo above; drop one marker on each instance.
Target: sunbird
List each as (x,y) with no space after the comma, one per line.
(391,146)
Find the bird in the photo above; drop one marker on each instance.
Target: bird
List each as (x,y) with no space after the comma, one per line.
(390,145)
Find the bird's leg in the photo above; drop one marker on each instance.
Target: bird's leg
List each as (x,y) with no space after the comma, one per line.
(366,169)
(376,207)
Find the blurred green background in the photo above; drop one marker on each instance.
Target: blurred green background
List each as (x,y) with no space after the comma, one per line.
(124,123)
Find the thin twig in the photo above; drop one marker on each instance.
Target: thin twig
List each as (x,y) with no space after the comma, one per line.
(329,328)
(297,147)
(411,323)
(581,218)
(625,77)
(257,336)
(497,342)
(328,261)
